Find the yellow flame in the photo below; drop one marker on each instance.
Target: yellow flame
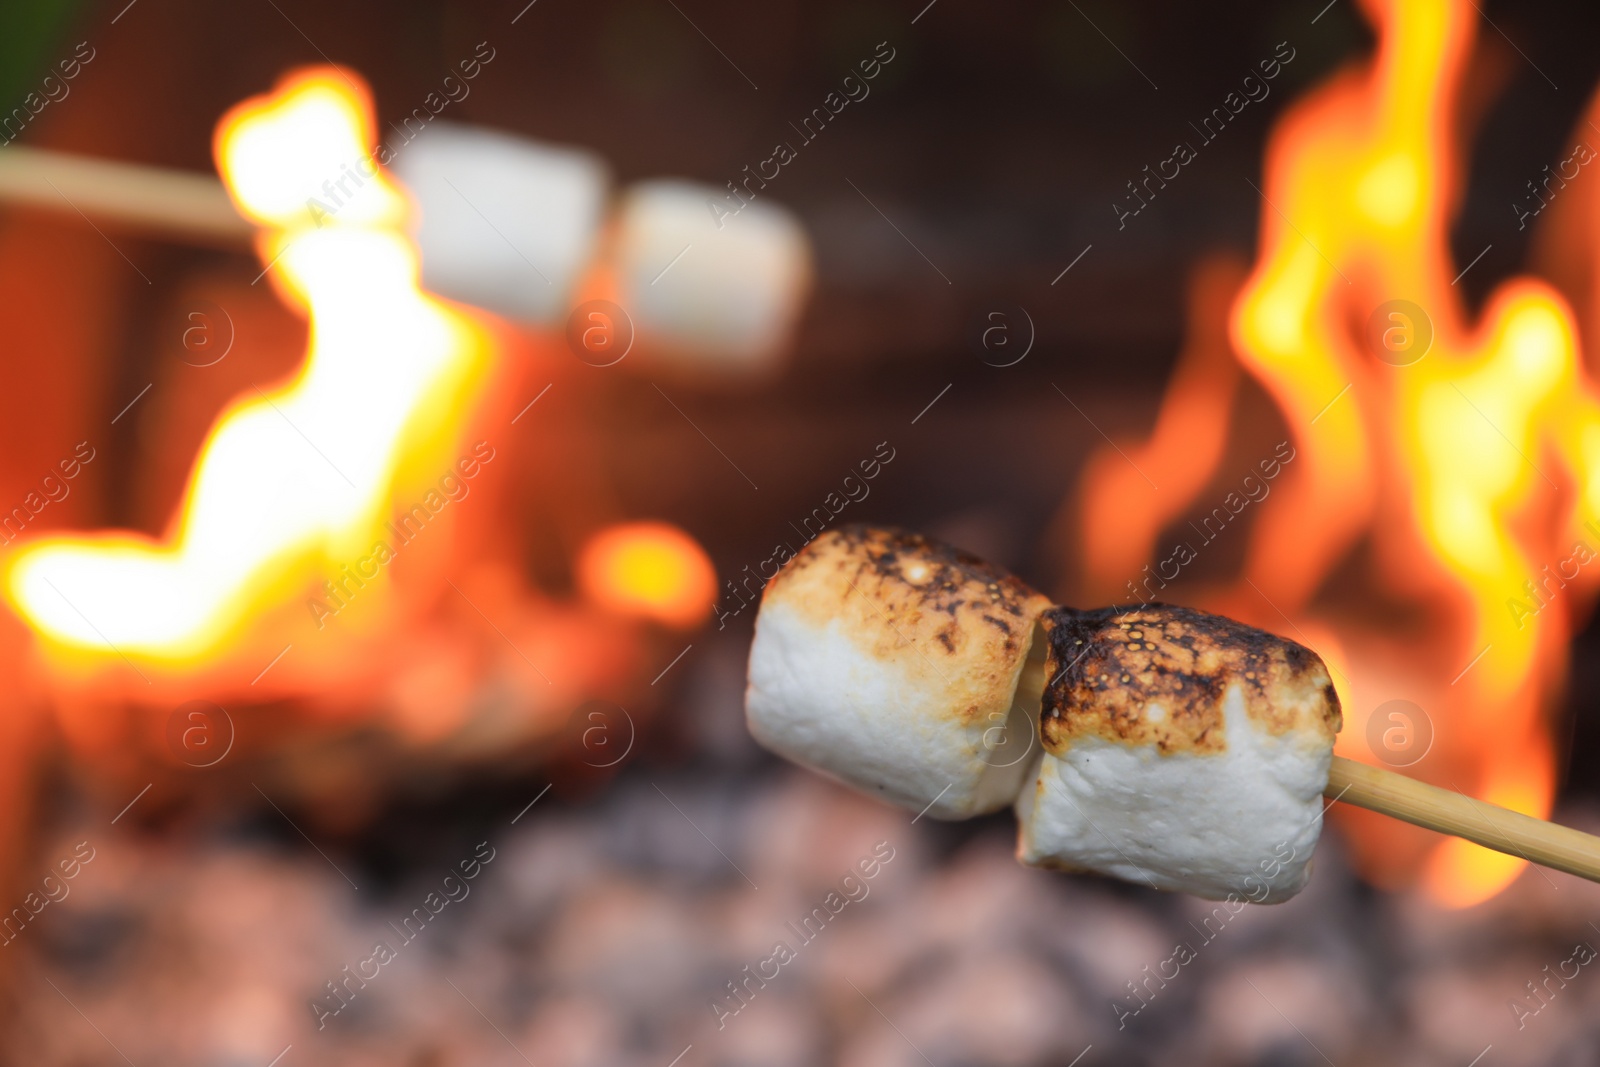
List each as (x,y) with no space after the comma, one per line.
(1466,472)
(293,479)
(650,569)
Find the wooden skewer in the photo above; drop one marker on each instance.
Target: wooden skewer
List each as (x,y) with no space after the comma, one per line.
(176,202)
(1545,843)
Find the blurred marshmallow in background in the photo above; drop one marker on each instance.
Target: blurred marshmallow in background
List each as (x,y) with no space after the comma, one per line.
(516,227)
(505,223)
(716,296)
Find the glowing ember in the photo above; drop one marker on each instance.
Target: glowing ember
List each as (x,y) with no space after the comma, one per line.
(296,479)
(1463,467)
(649,569)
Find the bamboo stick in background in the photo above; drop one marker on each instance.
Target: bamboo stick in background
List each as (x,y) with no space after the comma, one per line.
(176,202)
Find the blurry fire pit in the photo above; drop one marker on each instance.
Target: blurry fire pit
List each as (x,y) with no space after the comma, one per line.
(486,796)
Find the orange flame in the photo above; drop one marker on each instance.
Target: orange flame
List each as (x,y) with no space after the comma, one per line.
(293,480)
(1449,491)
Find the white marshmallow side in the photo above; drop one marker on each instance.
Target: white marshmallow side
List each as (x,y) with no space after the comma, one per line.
(1243,821)
(723,299)
(506,224)
(815,698)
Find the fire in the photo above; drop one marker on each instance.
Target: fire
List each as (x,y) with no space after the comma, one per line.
(649,569)
(297,478)
(1444,470)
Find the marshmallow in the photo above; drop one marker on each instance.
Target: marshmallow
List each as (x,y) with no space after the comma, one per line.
(1181,750)
(507,224)
(891,662)
(722,295)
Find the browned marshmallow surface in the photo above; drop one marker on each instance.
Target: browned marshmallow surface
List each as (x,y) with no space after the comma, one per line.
(891,662)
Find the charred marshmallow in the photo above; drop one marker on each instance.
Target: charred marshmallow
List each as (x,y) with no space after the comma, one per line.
(891,662)
(1181,750)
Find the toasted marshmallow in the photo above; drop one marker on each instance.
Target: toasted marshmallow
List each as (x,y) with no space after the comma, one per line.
(506,223)
(719,295)
(1181,750)
(891,662)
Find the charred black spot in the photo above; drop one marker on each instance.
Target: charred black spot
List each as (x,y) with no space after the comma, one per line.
(1299,656)
(1072,635)
(1208,684)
